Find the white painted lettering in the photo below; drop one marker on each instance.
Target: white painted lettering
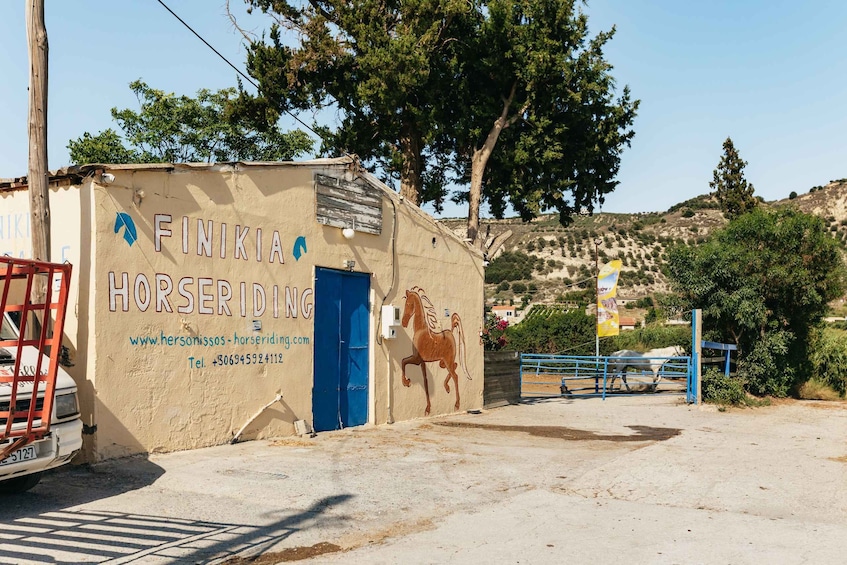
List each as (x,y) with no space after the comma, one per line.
(243,288)
(224,296)
(240,252)
(185,235)
(306,305)
(276,249)
(203,297)
(159,230)
(290,303)
(141,282)
(115,291)
(258,245)
(188,307)
(223,241)
(259,301)
(162,292)
(204,238)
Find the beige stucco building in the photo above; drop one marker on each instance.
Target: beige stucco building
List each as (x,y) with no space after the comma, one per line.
(202,291)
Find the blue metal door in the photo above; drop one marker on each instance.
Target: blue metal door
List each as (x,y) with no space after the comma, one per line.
(340,393)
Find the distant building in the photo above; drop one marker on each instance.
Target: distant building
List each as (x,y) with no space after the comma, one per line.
(505,312)
(627,323)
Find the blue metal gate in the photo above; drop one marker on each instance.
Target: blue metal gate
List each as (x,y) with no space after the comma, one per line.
(545,375)
(340,390)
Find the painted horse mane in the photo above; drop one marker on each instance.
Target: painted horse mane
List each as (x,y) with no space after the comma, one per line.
(428,310)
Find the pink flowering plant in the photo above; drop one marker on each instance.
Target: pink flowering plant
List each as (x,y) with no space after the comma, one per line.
(494,332)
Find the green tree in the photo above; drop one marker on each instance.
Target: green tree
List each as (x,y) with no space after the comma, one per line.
(105,147)
(571,332)
(177,129)
(763,282)
(536,107)
(728,184)
(381,66)
(418,85)
(510,266)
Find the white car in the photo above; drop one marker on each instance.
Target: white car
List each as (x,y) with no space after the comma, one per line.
(22,469)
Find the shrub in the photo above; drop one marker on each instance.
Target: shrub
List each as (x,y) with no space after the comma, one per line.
(792,196)
(493,333)
(814,389)
(723,390)
(502,286)
(646,302)
(688,213)
(518,288)
(649,337)
(571,332)
(510,266)
(828,357)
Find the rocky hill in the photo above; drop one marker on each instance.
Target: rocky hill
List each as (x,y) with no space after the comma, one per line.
(559,257)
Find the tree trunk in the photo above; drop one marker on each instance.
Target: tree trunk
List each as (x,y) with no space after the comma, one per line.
(411,182)
(479,161)
(39,190)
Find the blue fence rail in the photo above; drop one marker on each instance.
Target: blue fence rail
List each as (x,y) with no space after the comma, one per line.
(545,375)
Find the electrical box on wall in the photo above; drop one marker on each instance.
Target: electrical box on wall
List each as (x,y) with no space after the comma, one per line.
(390,321)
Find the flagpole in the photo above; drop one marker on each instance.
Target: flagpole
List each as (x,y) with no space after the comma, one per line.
(597,242)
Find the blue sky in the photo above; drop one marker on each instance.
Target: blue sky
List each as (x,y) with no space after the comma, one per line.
(770,74)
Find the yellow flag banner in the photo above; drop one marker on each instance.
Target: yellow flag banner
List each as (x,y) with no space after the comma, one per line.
(608,322)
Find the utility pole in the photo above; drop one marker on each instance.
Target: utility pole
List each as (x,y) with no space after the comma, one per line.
(39,189)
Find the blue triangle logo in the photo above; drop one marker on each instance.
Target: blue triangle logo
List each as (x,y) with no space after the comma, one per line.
(123,220)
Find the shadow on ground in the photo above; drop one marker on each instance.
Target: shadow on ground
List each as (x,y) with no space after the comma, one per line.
(47,525)
(642,433)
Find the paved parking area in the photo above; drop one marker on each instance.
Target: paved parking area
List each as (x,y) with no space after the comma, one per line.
(645,480)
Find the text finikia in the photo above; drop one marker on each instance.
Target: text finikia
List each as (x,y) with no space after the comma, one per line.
(161,292)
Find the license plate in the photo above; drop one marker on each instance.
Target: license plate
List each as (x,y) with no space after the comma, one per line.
(24,454)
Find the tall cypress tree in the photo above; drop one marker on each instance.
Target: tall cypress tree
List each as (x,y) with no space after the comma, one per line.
(729,186)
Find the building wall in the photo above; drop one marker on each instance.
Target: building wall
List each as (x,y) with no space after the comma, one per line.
(179,320)
(70,241)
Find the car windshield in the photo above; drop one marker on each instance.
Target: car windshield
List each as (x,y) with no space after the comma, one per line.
(8,330)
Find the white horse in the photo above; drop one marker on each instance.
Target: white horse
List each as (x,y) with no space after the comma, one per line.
(652,360)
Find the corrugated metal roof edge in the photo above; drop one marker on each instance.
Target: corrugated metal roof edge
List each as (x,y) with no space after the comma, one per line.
(81,171)
(76,173)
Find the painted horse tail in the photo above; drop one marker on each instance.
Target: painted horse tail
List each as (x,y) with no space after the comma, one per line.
(456,327)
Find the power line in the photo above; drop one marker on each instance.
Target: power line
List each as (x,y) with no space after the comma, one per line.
(228,62)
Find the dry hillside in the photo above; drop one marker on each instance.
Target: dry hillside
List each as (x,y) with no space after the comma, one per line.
(563,256)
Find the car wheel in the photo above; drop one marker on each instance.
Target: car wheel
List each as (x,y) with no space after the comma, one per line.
(19,484)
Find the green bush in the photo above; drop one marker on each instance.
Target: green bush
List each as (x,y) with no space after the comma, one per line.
(724,390)
(568,332)
(511,266)
(828,357)
(502,286)
(649,337)
(688,213)
(518,287)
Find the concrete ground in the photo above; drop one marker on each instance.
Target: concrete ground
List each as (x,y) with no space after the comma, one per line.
(636,479)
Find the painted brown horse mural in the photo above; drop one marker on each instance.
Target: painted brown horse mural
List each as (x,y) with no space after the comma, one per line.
(431,343)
